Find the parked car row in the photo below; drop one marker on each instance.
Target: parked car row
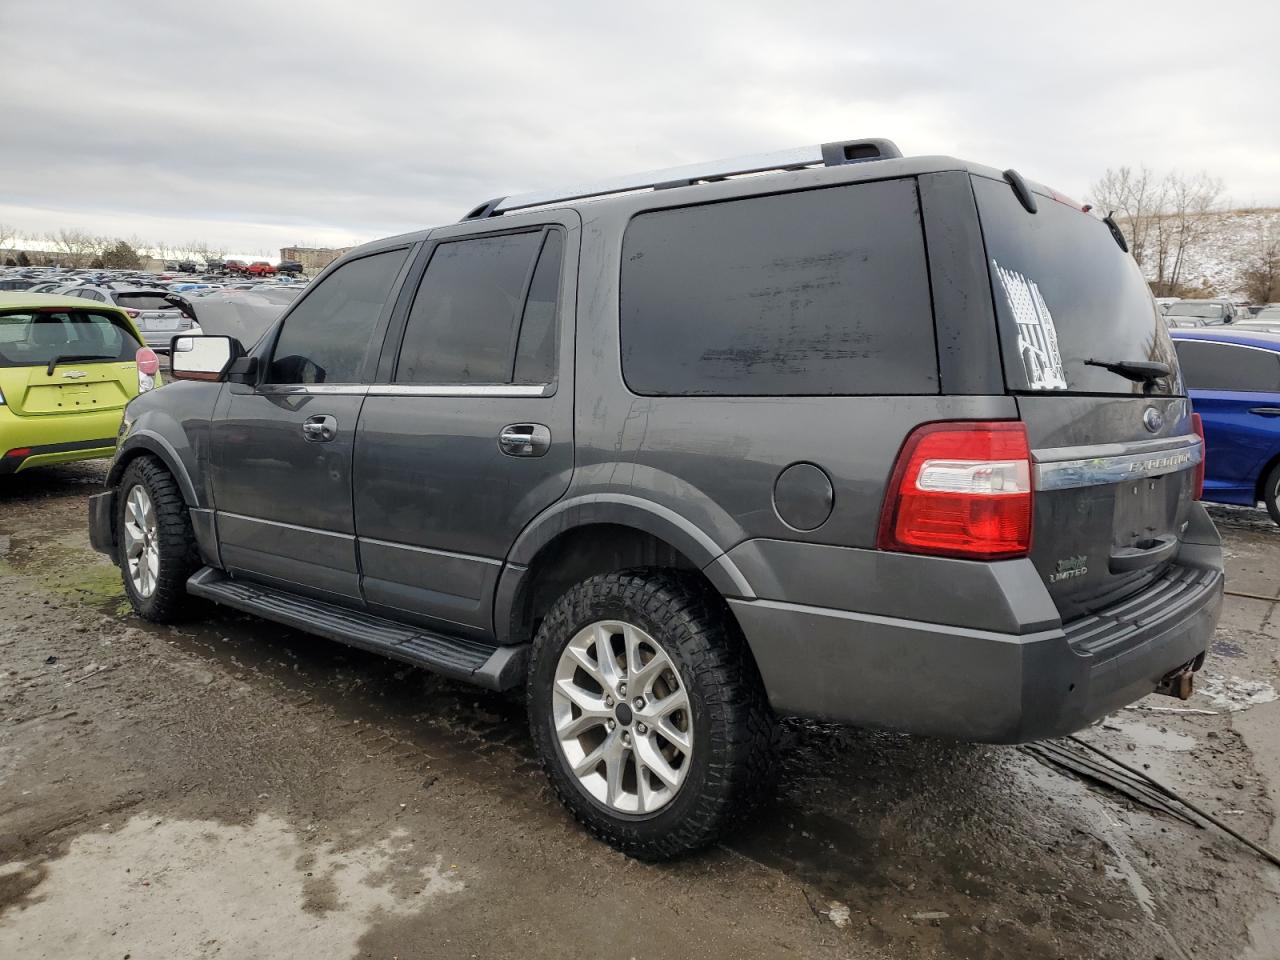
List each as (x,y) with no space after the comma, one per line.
(1189,314)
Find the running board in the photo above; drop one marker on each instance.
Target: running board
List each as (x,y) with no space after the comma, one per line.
(484,664)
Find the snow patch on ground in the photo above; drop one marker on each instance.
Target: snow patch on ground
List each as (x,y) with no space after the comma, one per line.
(1234,693)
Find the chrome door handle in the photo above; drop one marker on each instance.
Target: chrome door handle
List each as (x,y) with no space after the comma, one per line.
(1266,411)
(524,440)
(320,429)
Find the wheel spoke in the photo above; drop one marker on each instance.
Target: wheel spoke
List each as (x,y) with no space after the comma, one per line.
(577,726)
(589,666)
(614,763)
(679,700)
(675,736)
(592,760)
(609,674)
(584,700)
(652,759)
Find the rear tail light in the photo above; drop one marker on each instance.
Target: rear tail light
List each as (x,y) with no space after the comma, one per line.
(133,314)
(1198,425)
(148,367)
(18,453)
(961,489)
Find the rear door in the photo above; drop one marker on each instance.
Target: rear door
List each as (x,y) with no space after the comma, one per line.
(469,433)
(1236,390)
(1115,458)
(282,448)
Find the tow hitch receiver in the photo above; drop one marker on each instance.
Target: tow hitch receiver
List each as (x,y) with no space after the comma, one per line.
(1178,684)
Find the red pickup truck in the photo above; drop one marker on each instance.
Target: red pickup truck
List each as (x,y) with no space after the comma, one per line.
(260,268)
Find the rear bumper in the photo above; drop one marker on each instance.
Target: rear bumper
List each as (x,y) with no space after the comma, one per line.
(977,684)
(47,454)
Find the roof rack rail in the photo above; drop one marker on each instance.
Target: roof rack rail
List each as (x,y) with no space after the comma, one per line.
(826,154)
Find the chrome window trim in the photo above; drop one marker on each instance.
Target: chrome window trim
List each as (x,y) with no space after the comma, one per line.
(314,389)
(408,389)
(1065,468)
(461,390)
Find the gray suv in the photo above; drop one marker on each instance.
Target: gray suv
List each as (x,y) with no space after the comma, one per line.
(894,442)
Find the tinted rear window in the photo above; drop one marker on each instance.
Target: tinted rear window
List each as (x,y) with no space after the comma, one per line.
(1066,293)
(33,339)
(144,301)
(1208,311)
(815,293)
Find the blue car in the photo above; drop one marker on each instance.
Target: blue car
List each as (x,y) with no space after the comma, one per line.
(1233,377)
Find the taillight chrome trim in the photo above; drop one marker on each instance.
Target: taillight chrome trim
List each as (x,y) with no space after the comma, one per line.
(1066,468)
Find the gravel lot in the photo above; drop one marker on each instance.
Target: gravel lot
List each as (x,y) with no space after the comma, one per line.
(234,789)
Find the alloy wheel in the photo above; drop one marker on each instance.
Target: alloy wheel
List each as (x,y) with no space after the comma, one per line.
(141,541)
(622,717)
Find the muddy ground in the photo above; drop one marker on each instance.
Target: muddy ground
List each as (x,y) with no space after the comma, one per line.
(233,789)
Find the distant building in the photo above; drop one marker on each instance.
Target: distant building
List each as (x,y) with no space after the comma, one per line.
(313,258)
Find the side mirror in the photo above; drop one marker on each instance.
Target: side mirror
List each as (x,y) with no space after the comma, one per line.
(203,358)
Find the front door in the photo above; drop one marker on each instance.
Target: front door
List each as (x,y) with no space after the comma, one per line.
(282,447)
(467,436)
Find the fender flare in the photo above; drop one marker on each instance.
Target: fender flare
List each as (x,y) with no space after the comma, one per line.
(145,440)
(621,510)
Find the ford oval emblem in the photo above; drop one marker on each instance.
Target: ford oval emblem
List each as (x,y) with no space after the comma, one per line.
(1152,419)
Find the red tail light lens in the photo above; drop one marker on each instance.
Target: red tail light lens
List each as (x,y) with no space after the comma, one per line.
(148,362)
(1198,425)
(18,452)
(961,489)
(133,314)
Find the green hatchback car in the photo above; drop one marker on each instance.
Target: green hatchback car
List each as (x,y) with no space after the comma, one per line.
(68,367)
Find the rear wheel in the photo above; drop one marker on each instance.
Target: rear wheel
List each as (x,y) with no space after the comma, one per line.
(647,712)
(155,542)
(1271,493)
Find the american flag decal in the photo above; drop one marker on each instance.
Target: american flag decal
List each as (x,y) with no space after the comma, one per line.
(1037,336)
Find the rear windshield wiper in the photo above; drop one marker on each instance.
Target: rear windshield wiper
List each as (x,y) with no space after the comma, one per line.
(76,358)
(1139,371)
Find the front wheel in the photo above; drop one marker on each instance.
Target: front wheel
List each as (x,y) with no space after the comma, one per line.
(648,713)
(155,542)
(1271,493)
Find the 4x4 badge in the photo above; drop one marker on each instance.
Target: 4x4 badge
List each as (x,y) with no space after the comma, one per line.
(1152,419)
(1069,568)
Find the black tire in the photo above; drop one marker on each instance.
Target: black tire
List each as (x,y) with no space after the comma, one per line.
(1271,493)
(732,727)
(179,557)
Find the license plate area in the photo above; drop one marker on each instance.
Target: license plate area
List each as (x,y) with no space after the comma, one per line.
(1148,510)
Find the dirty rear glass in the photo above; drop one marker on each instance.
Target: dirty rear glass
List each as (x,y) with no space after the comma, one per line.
(1065,293)
(816,293)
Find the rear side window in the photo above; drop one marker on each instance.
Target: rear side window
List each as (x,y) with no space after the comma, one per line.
(1223,366)
(479,300)
(1065,293)
(330,337)
(816,293)
(33,339)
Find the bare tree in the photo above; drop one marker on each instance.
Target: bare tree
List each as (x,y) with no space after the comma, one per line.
(1262,272)
(1135,196)
(8,241)
(74,247)
(1191,199)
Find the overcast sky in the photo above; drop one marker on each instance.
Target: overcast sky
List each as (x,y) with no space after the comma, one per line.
(254,125)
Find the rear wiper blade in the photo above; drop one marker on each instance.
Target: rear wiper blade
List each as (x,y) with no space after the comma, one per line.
(75,358)
(1139,371)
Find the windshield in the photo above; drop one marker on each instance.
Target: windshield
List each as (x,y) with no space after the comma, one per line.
(1065,295)
(1209,311)
(29,339)
(144,301)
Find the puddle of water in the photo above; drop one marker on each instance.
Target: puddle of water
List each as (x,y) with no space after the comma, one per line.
(203,888)
(1235,693)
